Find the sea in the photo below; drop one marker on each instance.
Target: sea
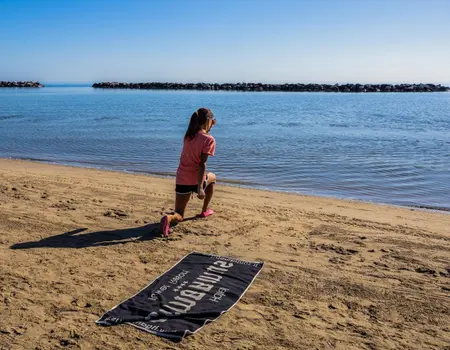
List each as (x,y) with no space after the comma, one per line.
(391,148)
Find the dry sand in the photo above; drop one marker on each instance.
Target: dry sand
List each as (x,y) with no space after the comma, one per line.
(338,274)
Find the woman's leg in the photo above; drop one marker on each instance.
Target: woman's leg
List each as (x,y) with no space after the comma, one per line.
(209,190)
(181,201)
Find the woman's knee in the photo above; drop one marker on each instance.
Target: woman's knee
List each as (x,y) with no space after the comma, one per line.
(211,178)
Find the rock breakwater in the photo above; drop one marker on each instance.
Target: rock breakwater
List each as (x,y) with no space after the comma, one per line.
(21,84)
(277,87)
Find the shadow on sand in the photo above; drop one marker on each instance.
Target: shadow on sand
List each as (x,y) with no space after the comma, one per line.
(75,238)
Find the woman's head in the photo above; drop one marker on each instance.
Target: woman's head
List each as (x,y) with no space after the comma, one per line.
(202,118)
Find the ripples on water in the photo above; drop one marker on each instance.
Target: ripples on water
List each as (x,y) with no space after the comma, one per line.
(390,148)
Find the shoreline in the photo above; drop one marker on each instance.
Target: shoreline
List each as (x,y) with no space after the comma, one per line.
(76,241)
(232,183)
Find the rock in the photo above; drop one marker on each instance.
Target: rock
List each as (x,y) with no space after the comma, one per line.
(21,84)
(274,87)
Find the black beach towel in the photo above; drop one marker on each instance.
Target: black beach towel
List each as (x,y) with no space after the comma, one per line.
(197,290)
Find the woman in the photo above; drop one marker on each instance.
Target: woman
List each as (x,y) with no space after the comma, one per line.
(191,174)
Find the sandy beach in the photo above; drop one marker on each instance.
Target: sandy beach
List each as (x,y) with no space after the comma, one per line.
(338,274)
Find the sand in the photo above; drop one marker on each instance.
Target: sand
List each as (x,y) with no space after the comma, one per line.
(338,274)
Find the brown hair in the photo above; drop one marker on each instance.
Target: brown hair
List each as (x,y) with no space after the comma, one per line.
(198,118)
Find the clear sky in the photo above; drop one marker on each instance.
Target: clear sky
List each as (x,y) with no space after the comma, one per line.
(324,41)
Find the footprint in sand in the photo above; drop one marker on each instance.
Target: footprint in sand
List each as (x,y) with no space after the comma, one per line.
(115,213)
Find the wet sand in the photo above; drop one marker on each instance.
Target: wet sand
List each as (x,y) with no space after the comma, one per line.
(339,274)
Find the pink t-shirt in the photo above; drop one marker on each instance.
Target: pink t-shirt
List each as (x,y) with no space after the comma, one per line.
(187,173)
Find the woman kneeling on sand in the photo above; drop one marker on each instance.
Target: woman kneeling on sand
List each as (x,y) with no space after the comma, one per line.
(191,173)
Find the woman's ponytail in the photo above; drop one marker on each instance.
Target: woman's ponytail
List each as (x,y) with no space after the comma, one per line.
(198,118)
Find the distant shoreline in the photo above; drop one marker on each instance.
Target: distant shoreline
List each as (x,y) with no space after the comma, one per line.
(276,87)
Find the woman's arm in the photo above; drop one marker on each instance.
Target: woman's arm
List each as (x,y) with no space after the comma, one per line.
(201,176)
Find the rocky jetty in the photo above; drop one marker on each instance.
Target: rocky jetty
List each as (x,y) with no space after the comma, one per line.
(278,87)
(21,84)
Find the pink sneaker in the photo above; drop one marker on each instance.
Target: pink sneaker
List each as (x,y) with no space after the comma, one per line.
(164,226)
(206,213)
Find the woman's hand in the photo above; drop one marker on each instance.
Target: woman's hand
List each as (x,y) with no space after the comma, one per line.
(201,193)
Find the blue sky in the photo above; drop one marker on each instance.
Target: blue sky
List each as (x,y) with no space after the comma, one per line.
(324,41)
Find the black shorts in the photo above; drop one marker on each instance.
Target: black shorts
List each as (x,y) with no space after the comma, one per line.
(188,189)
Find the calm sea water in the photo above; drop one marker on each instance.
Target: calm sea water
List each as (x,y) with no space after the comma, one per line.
(389,148)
